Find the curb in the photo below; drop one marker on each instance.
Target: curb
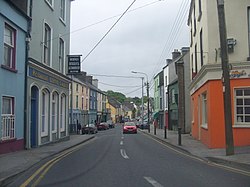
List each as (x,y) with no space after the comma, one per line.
(217,161)
(5,181)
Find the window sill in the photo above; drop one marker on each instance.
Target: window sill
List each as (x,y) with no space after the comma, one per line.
(8,68)
(8,140)
(204,126)
(241,126)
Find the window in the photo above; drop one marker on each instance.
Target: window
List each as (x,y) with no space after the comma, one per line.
(9,47)
(77,101)
(173,96)
(204,110)
(195,59)
(63,113)
(61,55)
(44,112)
(8,118)
(62,10)
(54,111)
(201,48)
(200,11)
(242,99)
(77,87)
(192,109)
(194,21)
(82,103)
(46,44)
(166,81)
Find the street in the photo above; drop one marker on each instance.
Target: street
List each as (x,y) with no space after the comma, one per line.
(113,159)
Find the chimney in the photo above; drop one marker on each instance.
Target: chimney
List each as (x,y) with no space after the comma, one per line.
(175,54)
(95,82)
(168,61)
(184,50)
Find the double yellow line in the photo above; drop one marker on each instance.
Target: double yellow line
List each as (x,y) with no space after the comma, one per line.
(41,172)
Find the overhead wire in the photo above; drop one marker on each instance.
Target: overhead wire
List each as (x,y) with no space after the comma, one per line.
(104,36)
(175,30)
(119,86)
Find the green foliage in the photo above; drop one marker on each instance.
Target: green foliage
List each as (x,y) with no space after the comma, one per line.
(116,95)
(122,98)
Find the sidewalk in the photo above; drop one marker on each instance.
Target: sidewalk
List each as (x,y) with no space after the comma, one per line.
(13,163)
(240,160)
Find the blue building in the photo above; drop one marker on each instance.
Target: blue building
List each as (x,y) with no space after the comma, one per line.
(92,104)
(13,32)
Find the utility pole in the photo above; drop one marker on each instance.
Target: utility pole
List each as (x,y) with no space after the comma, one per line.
(225,79)
(148,105)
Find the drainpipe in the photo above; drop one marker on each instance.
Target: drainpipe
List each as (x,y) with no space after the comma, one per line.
(27,47)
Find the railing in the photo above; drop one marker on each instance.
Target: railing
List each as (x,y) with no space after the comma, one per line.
(8,127)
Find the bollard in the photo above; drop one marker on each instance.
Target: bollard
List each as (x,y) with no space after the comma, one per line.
(154,130)
(179,135)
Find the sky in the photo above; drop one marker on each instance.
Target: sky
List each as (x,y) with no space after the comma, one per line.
(140,41)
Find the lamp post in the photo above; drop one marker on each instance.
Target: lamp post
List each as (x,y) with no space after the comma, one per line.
(147,86)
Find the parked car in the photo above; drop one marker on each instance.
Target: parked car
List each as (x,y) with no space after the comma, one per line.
(102,126)
(129,127)
(89,129)
(144,125)
(111,124)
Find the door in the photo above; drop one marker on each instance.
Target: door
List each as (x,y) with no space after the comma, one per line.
(34,117)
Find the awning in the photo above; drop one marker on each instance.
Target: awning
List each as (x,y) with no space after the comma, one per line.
(156,115)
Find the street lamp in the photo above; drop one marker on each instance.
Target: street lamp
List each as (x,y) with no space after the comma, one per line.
(147,84)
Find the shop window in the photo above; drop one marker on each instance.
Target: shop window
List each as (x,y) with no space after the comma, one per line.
(45,112)
(204,110)
(242,106)
(63,113)
(54,111)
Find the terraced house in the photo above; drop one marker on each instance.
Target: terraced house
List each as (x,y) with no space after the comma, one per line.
(13,33)
(206,87)
(47,83)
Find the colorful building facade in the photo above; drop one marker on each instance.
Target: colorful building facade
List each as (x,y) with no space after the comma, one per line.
(206,88)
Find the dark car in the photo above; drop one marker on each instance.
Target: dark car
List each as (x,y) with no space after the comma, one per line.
(89,129)
(144,125)
(111,124)
(102,126)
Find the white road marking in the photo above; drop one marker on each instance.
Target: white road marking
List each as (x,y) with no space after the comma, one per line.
(153,182)
(121,143)
(123,153)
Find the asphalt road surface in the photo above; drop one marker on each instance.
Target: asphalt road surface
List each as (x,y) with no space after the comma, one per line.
(113,159)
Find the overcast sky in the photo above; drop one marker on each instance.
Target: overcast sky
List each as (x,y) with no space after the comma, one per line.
(141,41)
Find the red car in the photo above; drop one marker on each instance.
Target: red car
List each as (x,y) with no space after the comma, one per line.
(102,126)
(129,127)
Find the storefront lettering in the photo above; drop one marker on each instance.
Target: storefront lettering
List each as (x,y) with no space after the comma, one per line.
(42,76)
(237,74)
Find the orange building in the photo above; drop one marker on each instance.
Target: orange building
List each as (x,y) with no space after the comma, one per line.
(206,89)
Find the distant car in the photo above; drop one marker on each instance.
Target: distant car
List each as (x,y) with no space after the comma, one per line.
(144,125)
(102,126)
(89,129)
(129,127)
(111,124)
